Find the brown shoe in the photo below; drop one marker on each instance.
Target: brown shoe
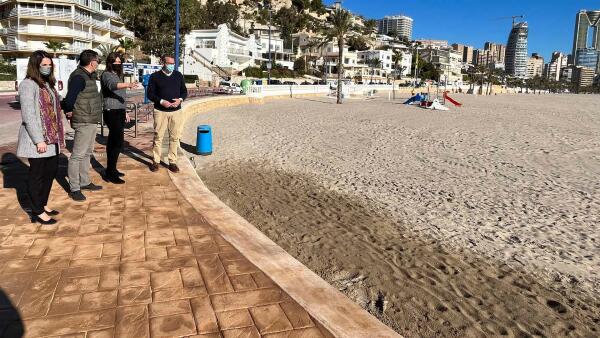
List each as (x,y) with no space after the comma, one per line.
(174,168)
(154,167)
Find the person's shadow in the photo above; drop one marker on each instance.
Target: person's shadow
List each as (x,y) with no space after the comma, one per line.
(14,173)
(11,325)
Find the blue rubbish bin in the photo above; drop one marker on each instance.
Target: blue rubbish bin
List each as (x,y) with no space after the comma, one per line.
(204,140)
(145,81)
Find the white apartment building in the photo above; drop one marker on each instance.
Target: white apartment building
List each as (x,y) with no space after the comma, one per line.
(400,24)
(279,54)
(384,56)
(219,52)
(25,26)
(448,61)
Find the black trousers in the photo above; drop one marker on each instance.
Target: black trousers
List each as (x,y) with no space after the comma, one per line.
(42,172)
(115,121)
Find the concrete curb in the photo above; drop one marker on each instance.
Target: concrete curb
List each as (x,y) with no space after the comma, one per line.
(332,309)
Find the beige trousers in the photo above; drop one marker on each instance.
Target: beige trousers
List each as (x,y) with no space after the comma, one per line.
(173,123)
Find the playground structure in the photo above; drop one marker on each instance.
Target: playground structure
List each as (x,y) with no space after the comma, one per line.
(451,100)
(423,100)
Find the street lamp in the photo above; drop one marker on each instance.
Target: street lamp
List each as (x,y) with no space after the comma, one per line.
(176,34)
(267,5)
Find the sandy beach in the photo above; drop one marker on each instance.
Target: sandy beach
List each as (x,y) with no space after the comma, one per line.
(480,221)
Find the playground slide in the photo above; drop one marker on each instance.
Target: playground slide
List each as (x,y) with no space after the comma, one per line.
(454,102)
(416,98)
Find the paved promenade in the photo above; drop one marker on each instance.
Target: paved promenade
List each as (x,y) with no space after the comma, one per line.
(134,260)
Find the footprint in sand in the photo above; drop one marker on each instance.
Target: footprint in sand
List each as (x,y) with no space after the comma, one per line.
(556,306)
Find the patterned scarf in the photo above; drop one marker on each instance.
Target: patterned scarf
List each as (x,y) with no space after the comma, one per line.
(50,114)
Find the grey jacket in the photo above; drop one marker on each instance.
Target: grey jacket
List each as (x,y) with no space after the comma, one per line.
(112,98)
(31,131)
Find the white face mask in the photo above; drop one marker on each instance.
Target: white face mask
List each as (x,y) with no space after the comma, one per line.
(45,70)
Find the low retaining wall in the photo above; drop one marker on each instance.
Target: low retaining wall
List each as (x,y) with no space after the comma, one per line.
(329,307)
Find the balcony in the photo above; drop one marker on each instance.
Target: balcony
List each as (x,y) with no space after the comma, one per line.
(43,13)
(24,29)
(24,47)
(238,51)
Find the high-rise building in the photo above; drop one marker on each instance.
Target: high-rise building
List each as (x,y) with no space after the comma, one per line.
(491,56)
(587,57)
(553,69)
(401,24)
(535,65)
(498,51)
(583,76)
(467,52)
(586,41)
(516,50)
(80,24)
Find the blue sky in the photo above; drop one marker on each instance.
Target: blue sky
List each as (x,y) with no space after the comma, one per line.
(472,22)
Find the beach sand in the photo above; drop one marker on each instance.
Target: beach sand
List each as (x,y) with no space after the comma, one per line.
(480,221)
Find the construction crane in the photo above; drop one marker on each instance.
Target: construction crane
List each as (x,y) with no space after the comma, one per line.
(511,17)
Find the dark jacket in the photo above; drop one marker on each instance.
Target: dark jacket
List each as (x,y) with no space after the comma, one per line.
(88,105)
(166,87)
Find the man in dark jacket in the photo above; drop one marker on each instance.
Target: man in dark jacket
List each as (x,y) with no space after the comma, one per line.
(83,105)
(166,88)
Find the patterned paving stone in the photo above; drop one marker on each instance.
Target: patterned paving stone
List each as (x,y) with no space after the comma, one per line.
(134,260)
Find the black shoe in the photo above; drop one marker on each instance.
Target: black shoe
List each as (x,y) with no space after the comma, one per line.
(52,213)
(77,196)
(115,179)
(37,219)
(92,187)
(154,167)
(174,168)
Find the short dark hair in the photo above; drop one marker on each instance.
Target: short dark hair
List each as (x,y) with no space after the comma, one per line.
(33,69)
(110,59)
(87,56)
(163,58)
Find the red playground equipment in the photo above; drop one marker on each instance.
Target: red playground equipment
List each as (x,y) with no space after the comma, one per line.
(454,102)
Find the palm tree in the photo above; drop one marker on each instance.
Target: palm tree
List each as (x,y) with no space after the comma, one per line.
(370,26)
(106,49)
(341,24)
(373,63)
(126,44)
(397,58)
(55,45)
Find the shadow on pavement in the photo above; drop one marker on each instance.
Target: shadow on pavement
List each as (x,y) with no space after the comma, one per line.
(188,147)
(15,173)
(11,325)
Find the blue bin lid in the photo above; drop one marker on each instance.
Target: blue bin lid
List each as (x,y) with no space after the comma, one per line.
(204,127)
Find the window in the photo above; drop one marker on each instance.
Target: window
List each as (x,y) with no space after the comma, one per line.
(591,37)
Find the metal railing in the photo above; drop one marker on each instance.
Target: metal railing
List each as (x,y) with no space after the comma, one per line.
(47,31)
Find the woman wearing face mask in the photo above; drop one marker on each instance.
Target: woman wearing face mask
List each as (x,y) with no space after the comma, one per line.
(41,136)
(114,95)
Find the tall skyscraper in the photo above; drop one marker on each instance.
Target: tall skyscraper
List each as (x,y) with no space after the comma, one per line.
(401,24)
(586,42)
(516,51)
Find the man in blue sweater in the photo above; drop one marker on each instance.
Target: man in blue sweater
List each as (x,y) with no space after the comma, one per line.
(166,88)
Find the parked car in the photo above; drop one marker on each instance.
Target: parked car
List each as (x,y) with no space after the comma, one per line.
(231,87)
(290,83)
(275,82)
(306,83)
